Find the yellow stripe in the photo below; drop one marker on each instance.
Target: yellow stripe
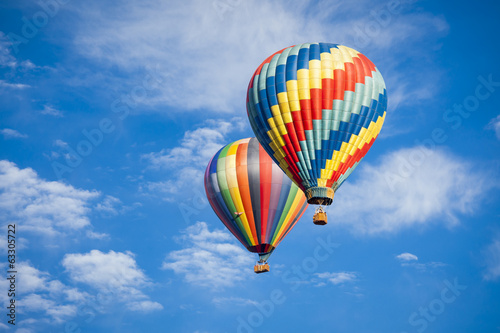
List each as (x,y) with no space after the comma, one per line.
(302,74)
(327,73)
(287,220)
(304,94)
(295,105)
(287,116)
(326,60)
(356,142)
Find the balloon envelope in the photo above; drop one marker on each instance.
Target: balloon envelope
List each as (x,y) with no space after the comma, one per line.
(252,196)
(317,109)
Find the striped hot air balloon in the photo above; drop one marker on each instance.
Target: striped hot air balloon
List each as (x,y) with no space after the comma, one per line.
(317,109)
(253,197)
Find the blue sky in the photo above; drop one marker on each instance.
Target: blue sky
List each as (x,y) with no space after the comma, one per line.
(110,112)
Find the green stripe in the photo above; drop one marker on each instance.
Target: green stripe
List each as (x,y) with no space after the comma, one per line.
(289,201)
(226,195)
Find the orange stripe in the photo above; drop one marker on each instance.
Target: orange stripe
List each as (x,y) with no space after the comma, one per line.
(244,187)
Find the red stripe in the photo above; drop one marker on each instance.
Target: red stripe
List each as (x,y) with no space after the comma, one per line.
(297,210)
(350,76)
(339,84)
(305,109)
(370,65)
(360,70)
(299,126)
(350,162)
(327,91)
(290,147)
(316,103)
(243,185)
(293,137)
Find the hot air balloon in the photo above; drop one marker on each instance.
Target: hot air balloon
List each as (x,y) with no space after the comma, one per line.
(253,197)
(317,109)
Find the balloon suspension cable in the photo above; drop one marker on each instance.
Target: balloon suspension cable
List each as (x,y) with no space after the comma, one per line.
(262,266)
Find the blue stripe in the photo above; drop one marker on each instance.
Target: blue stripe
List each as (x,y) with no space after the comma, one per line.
(271,91)
(280,79)
(303,62)
(291,68)
(213,166)
(314,52)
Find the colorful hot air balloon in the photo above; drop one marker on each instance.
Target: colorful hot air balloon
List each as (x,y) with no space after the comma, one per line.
(317,109)
(253,197)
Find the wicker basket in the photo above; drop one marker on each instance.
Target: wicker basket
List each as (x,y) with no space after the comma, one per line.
(261,268)
(320,218)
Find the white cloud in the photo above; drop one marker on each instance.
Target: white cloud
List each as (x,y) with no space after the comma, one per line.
(492,258)
(196,147)
(9,133)
(109,205)
(494,124)
(42,206)
(40,293)
(185,179)
(210,258)
(337,278)
(96,235)
(114,273)
(406,256)
(9,85)
(60,143)
(8,60)
(410,260)
(424,266)
(144,306)
(233,301)
(409,187)
(186,163)
(207,51)
(51,111)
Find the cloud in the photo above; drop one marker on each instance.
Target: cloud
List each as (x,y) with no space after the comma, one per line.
(42,206)
(9,85)
(424,266)
(337,278)
(51,111)
(209,258)
(114,273)
(196,147)
(233,301)
(406,256)
(12,134)
(185,179)
(409,187)
(186,163)
(218,45)
(410,260)
(109,205)
(492,258)
(8,60)
(494,125)
(96,235)
(41,293)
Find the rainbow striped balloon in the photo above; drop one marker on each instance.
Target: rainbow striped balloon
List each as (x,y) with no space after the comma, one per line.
(252,196)
(317,109)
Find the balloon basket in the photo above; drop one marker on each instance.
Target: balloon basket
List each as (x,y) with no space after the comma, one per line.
(261,268)
(320,217)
